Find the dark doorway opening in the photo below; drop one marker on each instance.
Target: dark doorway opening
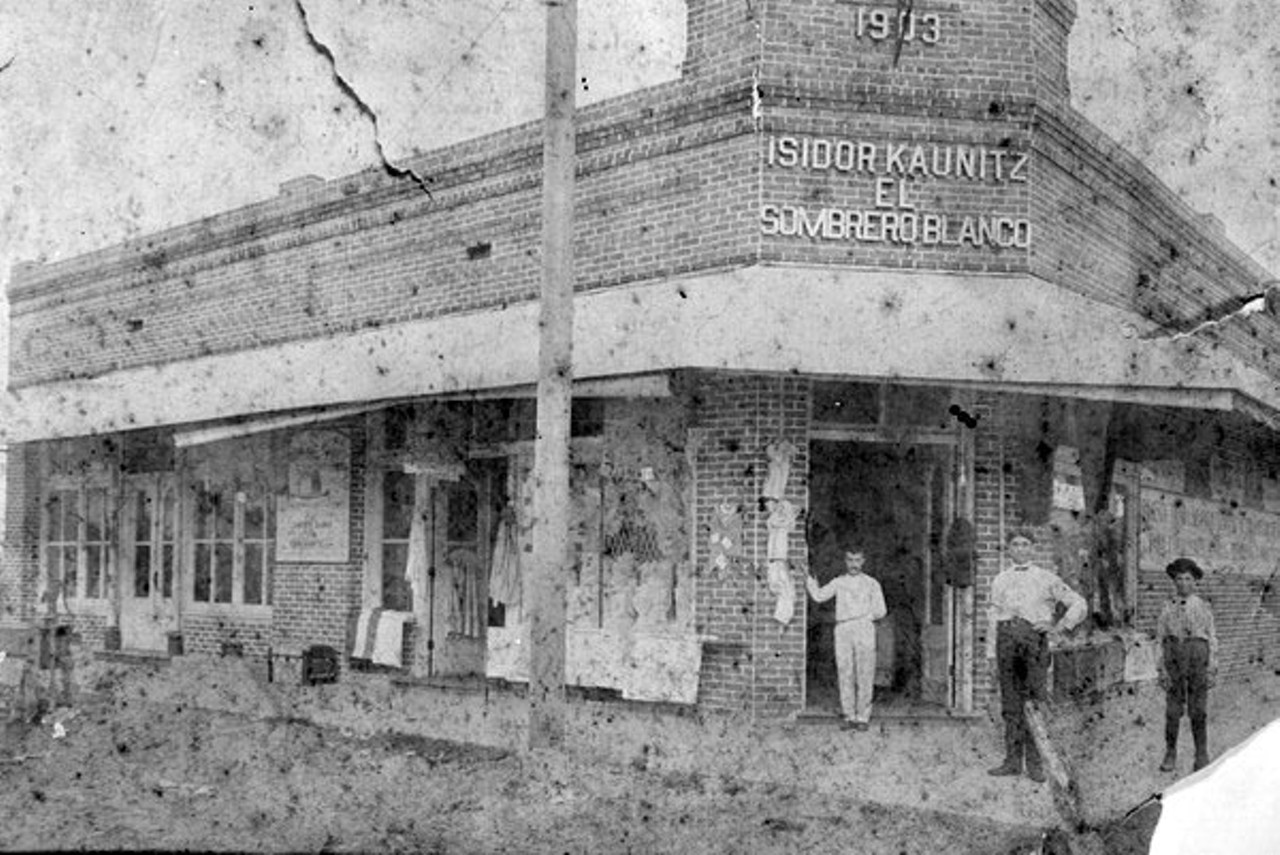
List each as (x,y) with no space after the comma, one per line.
(891,502)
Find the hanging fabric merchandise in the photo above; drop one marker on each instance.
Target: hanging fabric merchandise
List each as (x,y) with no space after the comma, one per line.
(461,570)
(652,593)
(726,536)
(662,509)
(504,568)
(415,566)
(780,453)
(782,587)
(782,519)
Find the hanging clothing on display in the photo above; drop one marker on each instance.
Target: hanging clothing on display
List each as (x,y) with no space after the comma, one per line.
(726,535)
(781,520)
(415,566)
(782,587)
(504,569)
(780,454)
(462,584)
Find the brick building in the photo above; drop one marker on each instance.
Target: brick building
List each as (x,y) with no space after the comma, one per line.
(872,266)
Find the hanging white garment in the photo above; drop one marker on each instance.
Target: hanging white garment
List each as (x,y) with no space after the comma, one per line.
(780,522)
(504,568)
(415,567)
(782,587)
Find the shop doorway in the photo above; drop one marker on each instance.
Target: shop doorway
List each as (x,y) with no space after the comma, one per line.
(892,501)
(436,532)
(149,557)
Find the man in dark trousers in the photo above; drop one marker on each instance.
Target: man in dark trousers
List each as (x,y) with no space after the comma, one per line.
(1188,662)
(1024,603)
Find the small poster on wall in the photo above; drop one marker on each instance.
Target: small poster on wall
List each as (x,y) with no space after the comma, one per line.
(312,522)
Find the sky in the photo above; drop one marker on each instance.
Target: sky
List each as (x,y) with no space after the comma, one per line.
(118,119)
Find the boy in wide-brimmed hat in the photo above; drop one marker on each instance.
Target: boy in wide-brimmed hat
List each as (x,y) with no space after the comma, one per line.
(1188,661)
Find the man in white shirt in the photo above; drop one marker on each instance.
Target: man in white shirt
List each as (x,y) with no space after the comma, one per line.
(859,603)
(1024,601)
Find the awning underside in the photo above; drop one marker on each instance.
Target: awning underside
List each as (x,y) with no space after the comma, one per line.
(1014,333)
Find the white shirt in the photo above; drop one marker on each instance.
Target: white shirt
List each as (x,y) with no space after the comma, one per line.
(857,597)
(1031,593)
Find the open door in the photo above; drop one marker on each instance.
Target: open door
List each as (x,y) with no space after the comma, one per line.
(458,526)
(149,550)
(890,500)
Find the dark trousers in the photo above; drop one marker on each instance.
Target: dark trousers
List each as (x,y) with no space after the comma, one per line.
(1186,662)
(1022,660)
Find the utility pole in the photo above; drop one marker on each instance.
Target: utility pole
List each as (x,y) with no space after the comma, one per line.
(545,583)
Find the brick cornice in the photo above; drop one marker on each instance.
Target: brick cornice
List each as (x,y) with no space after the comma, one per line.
(370,198)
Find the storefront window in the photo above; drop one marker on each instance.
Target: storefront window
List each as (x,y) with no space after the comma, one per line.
(232,539)
(397,525)
(76,553)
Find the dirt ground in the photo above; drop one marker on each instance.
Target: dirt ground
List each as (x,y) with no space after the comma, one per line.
(141,761)
(175,759)
(140,776)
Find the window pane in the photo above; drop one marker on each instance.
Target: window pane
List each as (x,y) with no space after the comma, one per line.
(267,564)
(222,573)
(203,578)
(168,515)
(917,405)
(96,516)
(166,570)
(142,571)
(70,565)
(204,513)
(397,505)
(53,560)
(253,573)
(396,593)
(849,403)
(93,571)
(463,521)
(225,508)
(53,511)
(142,517)
(255,518)
(70,516)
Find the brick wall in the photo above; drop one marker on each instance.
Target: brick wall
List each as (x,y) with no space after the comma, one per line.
(20,554)
(1051,24)
(666,185)
(756,664)
(319,603)
(205,632)
(1247,630)
(1146,250)
(314,604)
(981,46)
(1247,627)
(672,179)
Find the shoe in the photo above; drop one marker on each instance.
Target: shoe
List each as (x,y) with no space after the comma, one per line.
(1200,762)
(1170,761)
(861,726)
(1006,769)
(1036,774)
(848,724)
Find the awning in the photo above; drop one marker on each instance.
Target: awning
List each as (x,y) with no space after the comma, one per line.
(1013,333)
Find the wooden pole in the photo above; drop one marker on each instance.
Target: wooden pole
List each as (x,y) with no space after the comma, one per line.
(1065,796)
(545,583)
